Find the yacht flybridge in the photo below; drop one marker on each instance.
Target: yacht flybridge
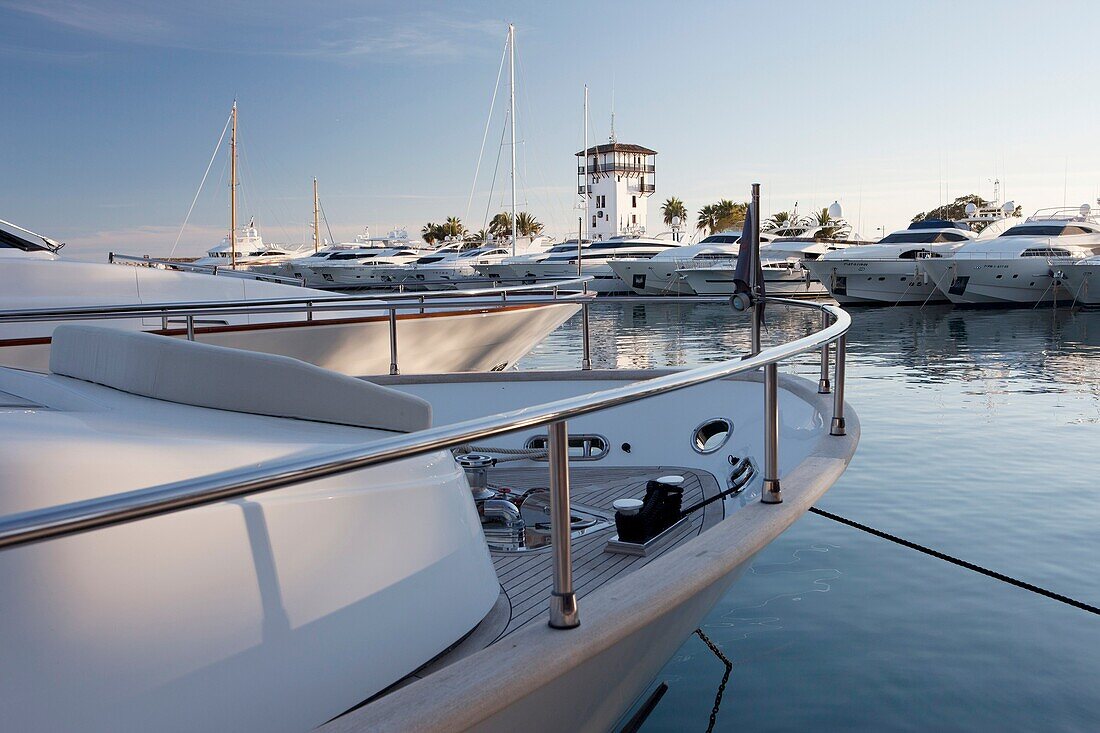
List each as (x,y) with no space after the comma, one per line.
(1018,266)
(469,330)
(267,580)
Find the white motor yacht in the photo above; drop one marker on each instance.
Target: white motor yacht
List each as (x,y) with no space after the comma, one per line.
(359,267)
(450,265)
(596,258)
(782,261)
(356,341)
(300,266)
(250,249)
(659,275)
(891,271)
(1017,267)
(511,269)
(226,540)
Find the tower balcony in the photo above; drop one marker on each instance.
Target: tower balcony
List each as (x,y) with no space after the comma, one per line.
(616,168)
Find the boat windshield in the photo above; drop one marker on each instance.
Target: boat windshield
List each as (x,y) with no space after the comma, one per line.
(11,241)
(1045,230)
(922,237)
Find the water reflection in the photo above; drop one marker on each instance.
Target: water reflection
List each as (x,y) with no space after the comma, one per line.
(1039,349)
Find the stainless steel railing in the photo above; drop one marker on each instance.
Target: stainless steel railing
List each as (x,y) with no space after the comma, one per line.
(67,519)
(224,270)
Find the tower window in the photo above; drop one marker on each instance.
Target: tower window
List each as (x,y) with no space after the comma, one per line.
(634,202)
(593,221)
(633,218)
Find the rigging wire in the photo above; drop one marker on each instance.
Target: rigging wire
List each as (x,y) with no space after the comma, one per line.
(492,186)
(217,147)
(331,239)
(485,135)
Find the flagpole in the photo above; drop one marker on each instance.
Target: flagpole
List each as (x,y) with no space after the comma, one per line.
(757,308)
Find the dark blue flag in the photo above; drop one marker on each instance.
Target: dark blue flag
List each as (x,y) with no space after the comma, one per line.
(748,276)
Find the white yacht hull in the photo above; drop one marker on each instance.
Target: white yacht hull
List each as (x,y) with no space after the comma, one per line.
(876,282)
(1082,283)
(605,280)
(782,282)
(351,342)
(653,277)
(585,679)
(275,612)
(996,281)
(440,341)
(349,277)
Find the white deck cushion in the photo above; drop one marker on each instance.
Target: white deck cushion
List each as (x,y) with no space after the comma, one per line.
(191,373)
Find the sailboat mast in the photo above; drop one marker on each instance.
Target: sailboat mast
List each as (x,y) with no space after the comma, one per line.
(512,120)
(233,191)
(584,183)
(316,218)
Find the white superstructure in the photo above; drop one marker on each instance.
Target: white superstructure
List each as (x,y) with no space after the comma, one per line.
(1018,266)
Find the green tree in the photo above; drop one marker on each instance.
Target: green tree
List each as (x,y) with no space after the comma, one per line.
(453,227)
(707,219)
(778,220)
(481,235)
(731,214)
(527,225)
(430,233)
(673,207)
(957,210)
(500,226)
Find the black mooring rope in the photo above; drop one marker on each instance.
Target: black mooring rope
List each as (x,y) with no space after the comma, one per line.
(961,563)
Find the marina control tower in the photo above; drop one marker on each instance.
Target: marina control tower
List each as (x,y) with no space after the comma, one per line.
(616,179)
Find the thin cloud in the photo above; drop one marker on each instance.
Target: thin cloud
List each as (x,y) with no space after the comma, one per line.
(418,36)
(117,22)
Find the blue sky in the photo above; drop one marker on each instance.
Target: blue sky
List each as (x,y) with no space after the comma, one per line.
(114,108)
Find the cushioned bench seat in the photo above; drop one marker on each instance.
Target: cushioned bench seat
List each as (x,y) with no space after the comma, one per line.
(191,373)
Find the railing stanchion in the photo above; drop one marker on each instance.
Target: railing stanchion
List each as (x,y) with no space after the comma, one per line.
(563,601)
(771,493)
(393,341)
(586,344)
(838,389)
(164,322)
(823,381)
(309,310)
(421,305)
(190,328)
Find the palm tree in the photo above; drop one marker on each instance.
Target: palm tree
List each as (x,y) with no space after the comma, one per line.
(430,233)
(481,235)
(828,227)
(731,214)
(673,207)
(527,225)
(501,225)
(453,227)
(778,220)
(707,219)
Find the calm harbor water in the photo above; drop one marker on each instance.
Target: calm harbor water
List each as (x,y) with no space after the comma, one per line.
(981,438)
